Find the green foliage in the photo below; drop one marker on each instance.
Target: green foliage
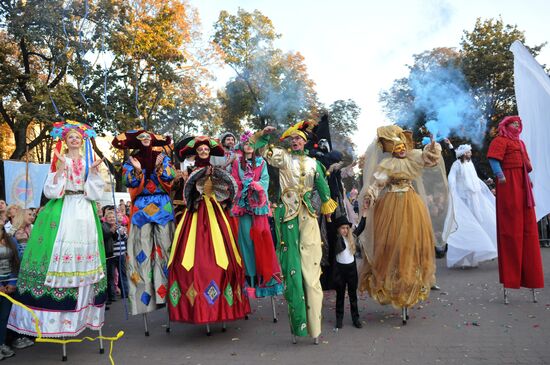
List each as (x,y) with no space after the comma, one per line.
(488,65)
(115,64)
(270,86)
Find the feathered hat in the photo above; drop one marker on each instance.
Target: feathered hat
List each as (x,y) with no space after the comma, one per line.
(303,129)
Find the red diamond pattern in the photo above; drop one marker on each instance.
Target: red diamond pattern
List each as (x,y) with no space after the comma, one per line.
(159,252)
(161,291)
(151,186)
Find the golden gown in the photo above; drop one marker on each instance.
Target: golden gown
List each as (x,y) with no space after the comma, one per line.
(401,268)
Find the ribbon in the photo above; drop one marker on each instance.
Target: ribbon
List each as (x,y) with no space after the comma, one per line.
(39,337)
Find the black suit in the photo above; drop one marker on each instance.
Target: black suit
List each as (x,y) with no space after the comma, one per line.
(345,275)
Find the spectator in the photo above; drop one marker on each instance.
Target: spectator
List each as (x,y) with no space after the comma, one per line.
(9,267)
(11,211)
(3,208)
(109,233)
(121,217)
(21,228)
(119,252)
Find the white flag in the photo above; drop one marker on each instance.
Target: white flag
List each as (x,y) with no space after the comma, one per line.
(532,86)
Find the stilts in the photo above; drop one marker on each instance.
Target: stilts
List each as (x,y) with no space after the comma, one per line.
(64,349)
(101,348)
(274,310)
(145,324)
(404,315)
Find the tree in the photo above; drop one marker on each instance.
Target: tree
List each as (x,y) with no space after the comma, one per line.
(270,86)
(488,65)
(41,52)
(343,124)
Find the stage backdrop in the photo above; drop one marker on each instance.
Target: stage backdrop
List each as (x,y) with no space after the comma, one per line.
(17,189)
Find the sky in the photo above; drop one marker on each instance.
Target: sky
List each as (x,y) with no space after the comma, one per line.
(355,48)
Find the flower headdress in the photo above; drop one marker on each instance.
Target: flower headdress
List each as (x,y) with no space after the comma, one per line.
(61,130)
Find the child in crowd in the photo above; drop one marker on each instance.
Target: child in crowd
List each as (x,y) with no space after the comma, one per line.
(344,269)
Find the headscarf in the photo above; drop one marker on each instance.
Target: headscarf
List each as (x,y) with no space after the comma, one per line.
(505,130)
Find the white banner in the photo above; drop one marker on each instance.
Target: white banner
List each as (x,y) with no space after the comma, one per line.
(532,86)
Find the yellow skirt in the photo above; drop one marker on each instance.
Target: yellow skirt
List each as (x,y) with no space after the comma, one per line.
(402,269)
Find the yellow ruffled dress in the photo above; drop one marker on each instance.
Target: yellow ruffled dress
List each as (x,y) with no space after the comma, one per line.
(401,269)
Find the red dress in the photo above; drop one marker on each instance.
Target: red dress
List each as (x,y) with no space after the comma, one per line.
(206,272)
(519,258)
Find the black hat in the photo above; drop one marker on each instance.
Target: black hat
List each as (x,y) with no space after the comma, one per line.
(341,220)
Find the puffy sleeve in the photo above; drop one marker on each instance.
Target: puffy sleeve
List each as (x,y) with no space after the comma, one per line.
(275,156)
(167,172)
(131,177)
(329,205)
(497,148)
(431,154)
(55,189)
(381,178)
(93,187)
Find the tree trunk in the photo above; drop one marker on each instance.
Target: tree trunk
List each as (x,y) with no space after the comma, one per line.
(20,136)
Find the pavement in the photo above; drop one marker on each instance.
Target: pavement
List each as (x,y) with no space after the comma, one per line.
(465,322)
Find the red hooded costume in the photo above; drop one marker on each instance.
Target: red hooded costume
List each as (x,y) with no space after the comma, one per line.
(519,258)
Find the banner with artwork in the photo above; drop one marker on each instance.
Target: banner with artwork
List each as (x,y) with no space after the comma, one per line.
(20,190)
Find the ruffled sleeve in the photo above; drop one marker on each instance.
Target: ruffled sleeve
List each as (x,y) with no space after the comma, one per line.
(93,187)
(431,154)
(381,178)
(275,156)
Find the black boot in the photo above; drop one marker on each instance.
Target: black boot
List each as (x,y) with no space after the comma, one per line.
(339,323)
(357,323)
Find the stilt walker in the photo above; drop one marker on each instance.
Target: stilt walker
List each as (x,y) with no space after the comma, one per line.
(148,174)
(519,257)
(263,272)
(299,245)
(206,271)
(399,262)
(62,277)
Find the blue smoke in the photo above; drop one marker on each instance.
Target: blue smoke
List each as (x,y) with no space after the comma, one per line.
(443,96)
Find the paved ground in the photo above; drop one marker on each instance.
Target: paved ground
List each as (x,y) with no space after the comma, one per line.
(465,323)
